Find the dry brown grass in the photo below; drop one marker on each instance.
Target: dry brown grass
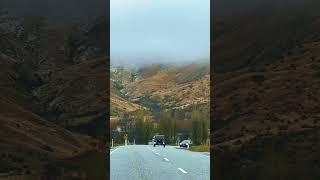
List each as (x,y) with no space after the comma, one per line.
(200,148)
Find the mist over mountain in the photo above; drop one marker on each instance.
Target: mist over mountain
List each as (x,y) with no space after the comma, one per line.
(145,62)
(152,31)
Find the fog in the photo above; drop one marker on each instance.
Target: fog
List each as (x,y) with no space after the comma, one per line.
(159,31)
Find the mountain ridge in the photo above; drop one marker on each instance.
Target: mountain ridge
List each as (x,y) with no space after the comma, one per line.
(163,82)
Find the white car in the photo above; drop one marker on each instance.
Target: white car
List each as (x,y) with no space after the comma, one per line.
(185,143)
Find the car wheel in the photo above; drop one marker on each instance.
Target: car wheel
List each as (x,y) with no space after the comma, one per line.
(154,145)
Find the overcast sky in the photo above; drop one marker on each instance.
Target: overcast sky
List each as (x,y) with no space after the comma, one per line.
(148,31)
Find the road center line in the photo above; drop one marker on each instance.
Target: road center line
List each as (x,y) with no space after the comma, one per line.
(166,159)
(183,171)
(113,150)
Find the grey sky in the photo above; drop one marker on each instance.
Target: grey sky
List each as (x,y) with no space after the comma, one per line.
(148,31)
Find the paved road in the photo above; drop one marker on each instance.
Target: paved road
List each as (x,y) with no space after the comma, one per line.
(145,162)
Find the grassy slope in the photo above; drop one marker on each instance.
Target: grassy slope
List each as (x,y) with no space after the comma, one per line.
(27,140)
(266,96)
(40,123)
(176,87)
(201,148)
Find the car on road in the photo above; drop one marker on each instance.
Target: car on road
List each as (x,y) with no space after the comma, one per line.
(158,140)
(185,143)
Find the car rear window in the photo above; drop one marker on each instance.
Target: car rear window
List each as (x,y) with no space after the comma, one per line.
(159,137)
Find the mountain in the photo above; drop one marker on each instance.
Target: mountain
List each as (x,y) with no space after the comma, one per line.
(172,87)
(243,42)
(53,93)
(29,140)
(265,110)
(120,77)
(79,103)
(159,88)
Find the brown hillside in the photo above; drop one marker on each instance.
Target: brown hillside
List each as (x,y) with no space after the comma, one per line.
(82,97)
(269,117)
(26,138)
(175,87)
(53,94)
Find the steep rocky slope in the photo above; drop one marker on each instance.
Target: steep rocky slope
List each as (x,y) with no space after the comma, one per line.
(123,105)
(259,32)
(120,78)
(265,113)
(174,87)
(159,88)
(28,141)
(53,92)
(80,101)
(278,108)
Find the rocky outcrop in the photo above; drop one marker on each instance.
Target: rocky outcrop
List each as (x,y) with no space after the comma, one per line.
(77,97)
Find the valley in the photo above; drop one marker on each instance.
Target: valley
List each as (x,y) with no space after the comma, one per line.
(156,90)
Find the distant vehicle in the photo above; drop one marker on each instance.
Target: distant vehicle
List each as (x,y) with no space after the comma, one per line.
(158,140)
(185,143)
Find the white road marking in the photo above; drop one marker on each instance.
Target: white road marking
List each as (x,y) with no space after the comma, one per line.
(157,154)
(113,150)
(183,171)
(166,159)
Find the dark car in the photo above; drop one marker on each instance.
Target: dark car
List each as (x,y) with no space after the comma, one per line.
(159,140)
(185,143)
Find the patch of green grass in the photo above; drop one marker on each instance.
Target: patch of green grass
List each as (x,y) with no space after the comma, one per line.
(201,148)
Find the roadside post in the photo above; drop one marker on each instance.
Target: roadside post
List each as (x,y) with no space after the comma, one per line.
(134,142)
(126,139)
(112,143)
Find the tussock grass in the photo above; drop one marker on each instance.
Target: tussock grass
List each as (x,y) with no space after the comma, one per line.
(201,148)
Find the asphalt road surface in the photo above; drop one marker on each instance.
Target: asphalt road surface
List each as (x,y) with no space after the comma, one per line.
(145,162)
